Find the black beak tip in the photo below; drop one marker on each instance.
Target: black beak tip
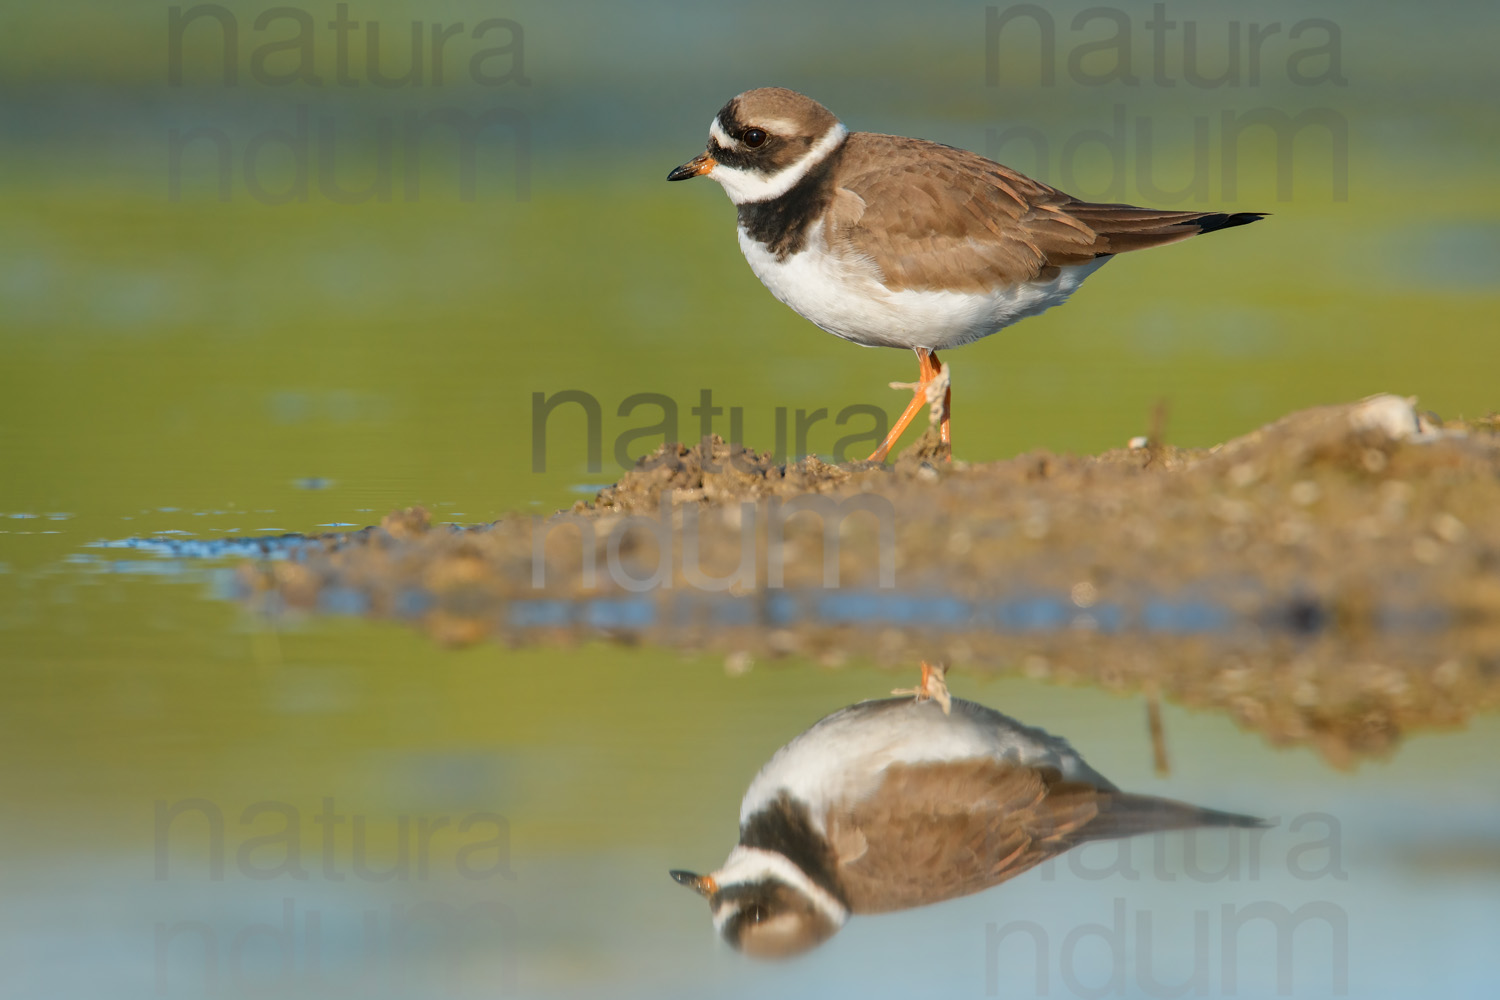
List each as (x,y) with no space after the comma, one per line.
(678,875)
(682,173)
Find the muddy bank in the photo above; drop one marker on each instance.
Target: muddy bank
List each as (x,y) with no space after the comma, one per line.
(1332,578)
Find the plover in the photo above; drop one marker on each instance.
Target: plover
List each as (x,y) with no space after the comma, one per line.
(892,804)
(896,242)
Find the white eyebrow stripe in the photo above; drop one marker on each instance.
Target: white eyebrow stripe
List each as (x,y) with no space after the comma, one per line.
(779,126)
(776,126)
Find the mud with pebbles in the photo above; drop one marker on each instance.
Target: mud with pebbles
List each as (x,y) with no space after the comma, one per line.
(1332,579)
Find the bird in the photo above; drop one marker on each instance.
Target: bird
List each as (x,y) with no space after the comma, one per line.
(888,241)
(898,803)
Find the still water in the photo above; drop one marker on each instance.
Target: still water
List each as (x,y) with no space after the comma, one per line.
(199,801)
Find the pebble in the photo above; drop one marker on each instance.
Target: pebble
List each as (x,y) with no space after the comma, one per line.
(1449,528)
(738,663)
(1243,474)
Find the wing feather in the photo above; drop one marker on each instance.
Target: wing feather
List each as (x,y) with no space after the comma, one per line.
(930,217)
(935,831)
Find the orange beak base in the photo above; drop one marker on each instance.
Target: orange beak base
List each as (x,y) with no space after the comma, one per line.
(703,885)
(700,164)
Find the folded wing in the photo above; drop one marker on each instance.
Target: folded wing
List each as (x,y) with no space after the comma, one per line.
(928,217)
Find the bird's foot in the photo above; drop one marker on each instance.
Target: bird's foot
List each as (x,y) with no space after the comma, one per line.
(933,687)
(934,392)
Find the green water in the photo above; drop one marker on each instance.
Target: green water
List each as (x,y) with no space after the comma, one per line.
(234,368)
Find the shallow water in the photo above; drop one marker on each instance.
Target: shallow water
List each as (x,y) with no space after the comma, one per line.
(609,766)
(194,370)
(584,774)
(1029,610)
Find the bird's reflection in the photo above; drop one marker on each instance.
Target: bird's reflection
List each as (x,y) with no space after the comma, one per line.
(896,803)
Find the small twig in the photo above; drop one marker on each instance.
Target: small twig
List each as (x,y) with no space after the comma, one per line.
(1158,733)
(1156,439)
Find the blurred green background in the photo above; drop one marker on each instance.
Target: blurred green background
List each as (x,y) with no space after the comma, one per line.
(180,355)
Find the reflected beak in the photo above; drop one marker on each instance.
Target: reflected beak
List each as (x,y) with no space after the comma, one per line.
(703,885)
(700,164)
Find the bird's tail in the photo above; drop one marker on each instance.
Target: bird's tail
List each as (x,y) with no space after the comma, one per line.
(1124,815)
(1122,228)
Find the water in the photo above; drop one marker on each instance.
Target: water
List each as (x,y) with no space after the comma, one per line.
(1210,610)
(190,371)
(584,774)
(610,766)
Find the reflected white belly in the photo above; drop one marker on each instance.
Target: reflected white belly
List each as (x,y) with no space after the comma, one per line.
(843,757)
(847,300)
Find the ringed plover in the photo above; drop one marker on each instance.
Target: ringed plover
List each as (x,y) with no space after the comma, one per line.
(892,804)
(896,242)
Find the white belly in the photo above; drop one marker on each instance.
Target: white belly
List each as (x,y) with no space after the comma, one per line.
(843,757)
(846,299)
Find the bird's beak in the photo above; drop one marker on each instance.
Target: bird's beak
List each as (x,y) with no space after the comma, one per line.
(703,885)
(700,164)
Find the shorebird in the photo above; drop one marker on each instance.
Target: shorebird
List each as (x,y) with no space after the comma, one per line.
(896,242)
(891,804)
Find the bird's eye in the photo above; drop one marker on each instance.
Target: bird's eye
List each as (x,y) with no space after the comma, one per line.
(756,914)
(754,138)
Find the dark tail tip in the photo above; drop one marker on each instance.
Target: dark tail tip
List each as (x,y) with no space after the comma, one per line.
(1214,221)
(1124,815)
(1213,817)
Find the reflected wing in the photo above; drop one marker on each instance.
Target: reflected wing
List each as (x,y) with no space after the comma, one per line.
(935,831)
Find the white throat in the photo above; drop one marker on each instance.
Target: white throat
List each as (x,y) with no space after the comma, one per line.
(746,186)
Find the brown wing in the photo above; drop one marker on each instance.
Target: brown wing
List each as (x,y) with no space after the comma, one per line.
(935,831)
(930,216)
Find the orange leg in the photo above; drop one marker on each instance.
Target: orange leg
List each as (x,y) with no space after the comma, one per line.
(933,686)
(928,368)
(918,400)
